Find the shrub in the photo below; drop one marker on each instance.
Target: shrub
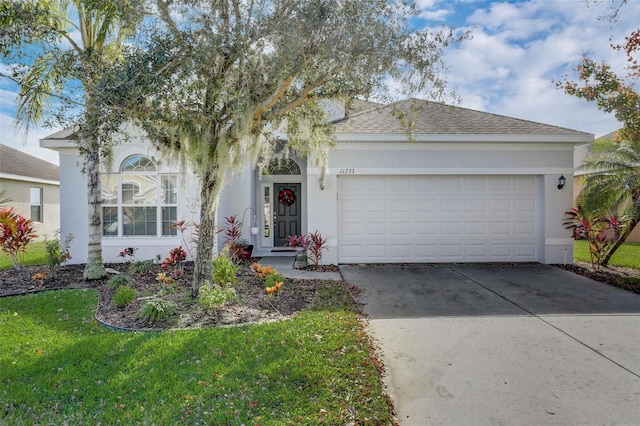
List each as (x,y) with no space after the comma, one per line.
(213,296)
(224,270)
(156,310)
(233,242)
(317,243)
(119,280)
(171,263)
(15,233)
(52,259)
(273,278)
(600,232)
(128,254)
(141,267)
(57,253)
(123,296)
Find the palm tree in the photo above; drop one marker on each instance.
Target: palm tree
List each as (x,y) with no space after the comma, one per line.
(71,44)
(612,187)
(4,201)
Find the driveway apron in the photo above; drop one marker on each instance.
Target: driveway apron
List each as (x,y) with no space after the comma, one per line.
(503,344)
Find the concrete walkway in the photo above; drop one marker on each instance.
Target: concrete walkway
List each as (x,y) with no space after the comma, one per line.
(503,345)
(284,265)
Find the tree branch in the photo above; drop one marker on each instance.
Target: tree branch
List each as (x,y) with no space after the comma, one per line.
(301,99)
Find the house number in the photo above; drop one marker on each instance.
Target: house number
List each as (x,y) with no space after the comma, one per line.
(347,171)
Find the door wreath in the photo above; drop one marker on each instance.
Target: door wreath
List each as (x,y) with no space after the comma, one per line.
(286,197)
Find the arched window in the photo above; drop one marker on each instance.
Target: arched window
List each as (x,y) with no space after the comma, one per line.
(139,201)
(282,167)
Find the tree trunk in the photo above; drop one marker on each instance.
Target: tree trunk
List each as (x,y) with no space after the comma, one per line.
(204,249)
(94,269)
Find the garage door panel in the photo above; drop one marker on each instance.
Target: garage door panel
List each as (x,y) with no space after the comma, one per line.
(475,205)
(475,228)
(425,228)
(451,205)
(426,206)
(438,218)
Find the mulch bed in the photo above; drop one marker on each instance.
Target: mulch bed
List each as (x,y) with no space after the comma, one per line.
(625,278)
(252,306)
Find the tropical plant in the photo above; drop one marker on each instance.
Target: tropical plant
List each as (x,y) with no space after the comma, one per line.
(273,278)
(612,188)
(224,270)
(300,243)
(39,277)
(212,296)
(182,226)
(4,200)
(141,267)
(316,246)
(123,296)
(57,253)
(171,263)
(593,230)
(262,271)
(16,232)
(128,254)
(59,53)
(120,280)
(234,244)
(156,310)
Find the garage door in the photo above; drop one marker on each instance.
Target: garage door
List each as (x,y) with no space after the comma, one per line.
(438,219)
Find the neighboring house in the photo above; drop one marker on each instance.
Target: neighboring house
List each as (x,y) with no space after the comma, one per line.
(33,186)
(466,186)
(579,156)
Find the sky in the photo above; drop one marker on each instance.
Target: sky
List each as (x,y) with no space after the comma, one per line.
(518,48)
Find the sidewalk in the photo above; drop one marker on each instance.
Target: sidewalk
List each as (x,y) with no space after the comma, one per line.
(284,265)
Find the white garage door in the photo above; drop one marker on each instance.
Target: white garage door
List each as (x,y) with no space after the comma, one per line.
(438,219)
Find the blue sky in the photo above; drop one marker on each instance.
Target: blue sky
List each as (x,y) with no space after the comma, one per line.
(518,48)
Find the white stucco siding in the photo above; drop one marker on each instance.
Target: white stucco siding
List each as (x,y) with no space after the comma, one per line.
(463,158)
(538,164)
(73,205)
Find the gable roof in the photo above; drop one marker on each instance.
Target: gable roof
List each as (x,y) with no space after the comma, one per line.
(434,118)
(17,163)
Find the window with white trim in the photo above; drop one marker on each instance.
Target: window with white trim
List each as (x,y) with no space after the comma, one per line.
(139,201)
(36,204)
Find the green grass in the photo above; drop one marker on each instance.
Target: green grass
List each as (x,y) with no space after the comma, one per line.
(36,255)
(628,255)
(60,367)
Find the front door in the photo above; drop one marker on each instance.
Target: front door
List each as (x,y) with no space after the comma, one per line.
(288,215)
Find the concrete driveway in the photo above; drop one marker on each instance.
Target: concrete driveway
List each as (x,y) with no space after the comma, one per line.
(503,344)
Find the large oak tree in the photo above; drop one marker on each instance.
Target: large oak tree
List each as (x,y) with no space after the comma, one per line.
(217,82)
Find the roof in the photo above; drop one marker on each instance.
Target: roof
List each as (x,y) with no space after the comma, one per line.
(437,118)
(15,162)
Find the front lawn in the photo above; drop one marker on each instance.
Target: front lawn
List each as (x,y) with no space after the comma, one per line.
(36,255)
(60,367)
(628,255)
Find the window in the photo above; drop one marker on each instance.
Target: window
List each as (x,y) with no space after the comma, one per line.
(36,204)
(139,201)
(286,166)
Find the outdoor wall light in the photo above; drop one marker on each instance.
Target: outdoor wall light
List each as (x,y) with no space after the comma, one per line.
(561,181)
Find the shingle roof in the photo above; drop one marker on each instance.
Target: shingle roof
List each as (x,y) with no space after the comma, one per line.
(15,162)
(437,118)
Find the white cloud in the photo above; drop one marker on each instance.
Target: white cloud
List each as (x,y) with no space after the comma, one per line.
(519,48)
(29,143)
